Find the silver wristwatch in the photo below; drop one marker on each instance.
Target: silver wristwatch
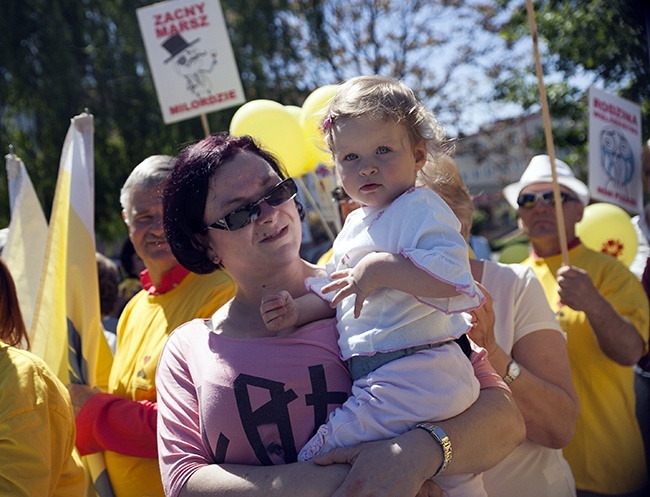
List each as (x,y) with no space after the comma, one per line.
(512,373)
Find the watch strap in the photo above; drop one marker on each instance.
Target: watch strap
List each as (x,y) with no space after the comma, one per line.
(441,439)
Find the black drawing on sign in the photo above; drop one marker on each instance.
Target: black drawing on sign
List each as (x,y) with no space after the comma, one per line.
(192,63)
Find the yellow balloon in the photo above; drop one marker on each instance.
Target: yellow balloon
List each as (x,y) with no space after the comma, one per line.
(276,129)
(295,111)
(514,253)
(607,228)
(313,113)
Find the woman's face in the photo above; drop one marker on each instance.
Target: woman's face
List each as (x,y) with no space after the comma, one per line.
(272,239)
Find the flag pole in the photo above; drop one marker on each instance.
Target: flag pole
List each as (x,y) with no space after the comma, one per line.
(12,186)
(316,207)
(548,134)
(206,125)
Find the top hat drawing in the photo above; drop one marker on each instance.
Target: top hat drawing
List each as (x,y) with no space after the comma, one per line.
(176,44)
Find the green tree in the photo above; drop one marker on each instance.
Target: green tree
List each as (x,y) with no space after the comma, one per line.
(59,58)
(582,43)
(443,49)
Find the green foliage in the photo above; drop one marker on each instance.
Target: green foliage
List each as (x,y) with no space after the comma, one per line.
(440,48)
(582,42)
(59,58)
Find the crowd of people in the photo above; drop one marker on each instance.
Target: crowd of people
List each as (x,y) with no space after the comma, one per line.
(398,365)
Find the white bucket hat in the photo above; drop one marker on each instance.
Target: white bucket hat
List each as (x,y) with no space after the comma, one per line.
(539,171)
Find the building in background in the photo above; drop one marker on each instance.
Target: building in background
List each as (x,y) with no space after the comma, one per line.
(490,159)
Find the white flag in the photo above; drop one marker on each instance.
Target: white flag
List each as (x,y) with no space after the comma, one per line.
(24,250)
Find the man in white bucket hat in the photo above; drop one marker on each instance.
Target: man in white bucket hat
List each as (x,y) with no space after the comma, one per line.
(602,307)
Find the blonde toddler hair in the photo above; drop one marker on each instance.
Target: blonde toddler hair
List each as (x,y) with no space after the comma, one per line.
(383,98)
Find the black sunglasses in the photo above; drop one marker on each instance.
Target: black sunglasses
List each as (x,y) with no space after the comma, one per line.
(529,200)
(246,214)
(339,195)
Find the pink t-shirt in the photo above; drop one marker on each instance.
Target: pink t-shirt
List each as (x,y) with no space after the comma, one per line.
(250,401)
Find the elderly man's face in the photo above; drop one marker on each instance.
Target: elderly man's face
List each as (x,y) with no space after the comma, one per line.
(145,222)
(539,222)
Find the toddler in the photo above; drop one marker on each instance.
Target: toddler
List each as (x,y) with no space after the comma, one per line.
(399,278)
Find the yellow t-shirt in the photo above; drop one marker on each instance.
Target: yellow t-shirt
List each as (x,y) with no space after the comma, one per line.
(37,431)
(142,330)
(606,453)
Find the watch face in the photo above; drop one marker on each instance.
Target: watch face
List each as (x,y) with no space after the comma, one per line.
(515,369)
(512,373)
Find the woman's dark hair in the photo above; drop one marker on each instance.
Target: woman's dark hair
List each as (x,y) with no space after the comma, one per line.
(12,325)
(187,190)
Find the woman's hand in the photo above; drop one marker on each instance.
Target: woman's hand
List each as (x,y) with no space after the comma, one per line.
(482,332)
(79,394)
(390,468)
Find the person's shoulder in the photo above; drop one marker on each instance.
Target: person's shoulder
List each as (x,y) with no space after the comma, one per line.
(218,287)
(518,270)
(601,259)
(606,269)
(134,305)
(22,361)
(26,381)
(140,295)
(506,277)
(190,329)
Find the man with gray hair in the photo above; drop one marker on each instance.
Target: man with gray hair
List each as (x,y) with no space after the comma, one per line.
(603,309)
(122,421)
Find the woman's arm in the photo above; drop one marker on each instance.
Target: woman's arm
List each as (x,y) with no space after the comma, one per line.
(387,468)
(109,422)
(544,390)
(484,434)
(298,479)
(480,437)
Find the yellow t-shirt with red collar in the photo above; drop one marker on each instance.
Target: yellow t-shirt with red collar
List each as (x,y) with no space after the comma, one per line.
(606,453)
(142,331)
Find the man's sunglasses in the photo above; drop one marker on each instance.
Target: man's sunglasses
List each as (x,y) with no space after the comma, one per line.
(530,199)
(246,214)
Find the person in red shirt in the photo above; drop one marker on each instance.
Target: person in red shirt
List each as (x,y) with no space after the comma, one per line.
(122,421)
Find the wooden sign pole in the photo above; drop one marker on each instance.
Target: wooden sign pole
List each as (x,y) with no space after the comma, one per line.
(548,134)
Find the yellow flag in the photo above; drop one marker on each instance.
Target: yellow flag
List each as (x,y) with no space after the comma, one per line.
(66,330)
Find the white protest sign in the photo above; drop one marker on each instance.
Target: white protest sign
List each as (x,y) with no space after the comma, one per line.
(615,150)
(191,58)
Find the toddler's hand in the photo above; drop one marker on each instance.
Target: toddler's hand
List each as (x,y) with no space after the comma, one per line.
(360,280)
(279,311)
(346,282)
